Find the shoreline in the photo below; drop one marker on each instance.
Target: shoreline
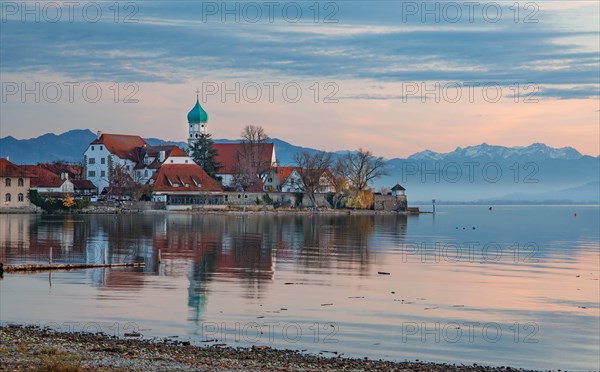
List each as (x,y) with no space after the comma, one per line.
(241,211)
(30,347)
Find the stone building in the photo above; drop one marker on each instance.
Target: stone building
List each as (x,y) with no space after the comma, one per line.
(14,185)
(394,201)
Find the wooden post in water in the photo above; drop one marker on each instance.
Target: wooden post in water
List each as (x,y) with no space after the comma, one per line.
(104,256)
(50,256)
(159,258)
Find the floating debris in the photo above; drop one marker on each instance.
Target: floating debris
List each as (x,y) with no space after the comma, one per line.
(383,273)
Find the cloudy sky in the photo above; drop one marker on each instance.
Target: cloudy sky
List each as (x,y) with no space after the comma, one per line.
(395,77)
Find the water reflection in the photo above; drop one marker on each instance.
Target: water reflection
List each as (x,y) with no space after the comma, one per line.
(245,268)
(246,249)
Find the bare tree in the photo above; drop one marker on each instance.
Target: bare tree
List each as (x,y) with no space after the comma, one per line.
(361,167)
(254,134)
(121,181)
(312,167)
(340,184)
(254,158)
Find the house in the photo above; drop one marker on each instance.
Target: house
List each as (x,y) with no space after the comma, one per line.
(14,185)
(49,183)
(108,151)
(84,188)
(231,157)
(132,154)
(180,182)
(289,179)
(326,182)
(283,179)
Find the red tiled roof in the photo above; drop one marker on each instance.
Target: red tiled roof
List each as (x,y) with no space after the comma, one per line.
(228,155)
(83,185)
(122,145)
(176,151)
(283,173)
(43,177)
(154,152)
(9,169)
(188,177)
(74,170)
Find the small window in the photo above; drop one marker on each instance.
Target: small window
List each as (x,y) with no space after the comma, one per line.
(92,174)
(171,160)
(102,160)
(186,161)
(7,197)
(270,179)
(7,182)
(102,173)
(21,197)
(92,161)
(239,196)
(127,167)
(202,125)
(196,135)
(20,182)
(245,196)
(146,173)
(101,148)
(92,148)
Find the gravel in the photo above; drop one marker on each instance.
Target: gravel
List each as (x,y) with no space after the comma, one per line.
(32,348)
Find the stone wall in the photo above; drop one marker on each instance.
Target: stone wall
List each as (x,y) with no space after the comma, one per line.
(390,203)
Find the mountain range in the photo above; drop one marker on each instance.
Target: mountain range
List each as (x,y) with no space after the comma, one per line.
(483,172)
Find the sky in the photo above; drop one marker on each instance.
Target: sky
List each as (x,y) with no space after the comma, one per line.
(395,77)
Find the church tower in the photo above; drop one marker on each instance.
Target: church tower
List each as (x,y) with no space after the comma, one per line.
(197,121)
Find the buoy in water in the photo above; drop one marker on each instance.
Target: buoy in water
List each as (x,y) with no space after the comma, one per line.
(574,214)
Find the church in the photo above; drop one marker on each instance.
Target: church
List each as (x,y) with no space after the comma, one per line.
(174,176)
(228,154)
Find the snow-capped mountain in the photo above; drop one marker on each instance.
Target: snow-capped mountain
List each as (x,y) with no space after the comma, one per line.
(535,151)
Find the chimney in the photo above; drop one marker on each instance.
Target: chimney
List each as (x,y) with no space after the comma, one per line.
(98,134)
(64,176)
(161,156)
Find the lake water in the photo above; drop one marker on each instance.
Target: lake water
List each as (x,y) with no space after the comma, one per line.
(517,285)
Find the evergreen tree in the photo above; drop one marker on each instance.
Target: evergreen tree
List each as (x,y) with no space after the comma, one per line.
(205,155)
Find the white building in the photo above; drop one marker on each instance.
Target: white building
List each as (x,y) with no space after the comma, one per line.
(136,157)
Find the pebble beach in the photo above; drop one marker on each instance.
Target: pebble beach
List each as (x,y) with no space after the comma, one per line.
(30,348)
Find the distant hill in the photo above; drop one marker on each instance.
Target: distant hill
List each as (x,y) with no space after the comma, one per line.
(68,146)
(71,145)
(536,172)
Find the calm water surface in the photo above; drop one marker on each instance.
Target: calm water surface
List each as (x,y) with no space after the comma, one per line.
(517,285)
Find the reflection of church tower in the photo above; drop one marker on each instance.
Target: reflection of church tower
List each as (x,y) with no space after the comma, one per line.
(197,120)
